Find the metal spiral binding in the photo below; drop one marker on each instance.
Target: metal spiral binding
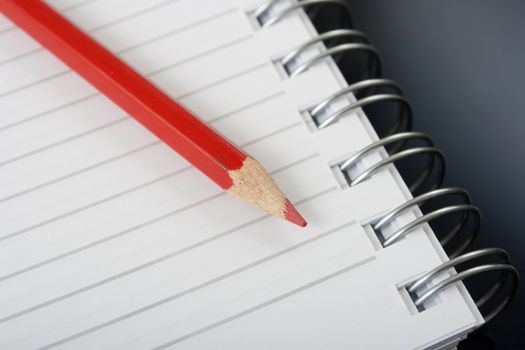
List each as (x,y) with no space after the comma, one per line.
(465,206)
(332,35)
(504,267)
(303,4)
(360,42)
(429,149)
(338,50)
(335,49)
(397,96)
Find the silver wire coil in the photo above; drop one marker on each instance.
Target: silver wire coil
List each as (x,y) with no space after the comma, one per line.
(504,267)
(464,206)
(331,35)
(338,50)
(405,116)
(335,49)
(303,4)
(429,149)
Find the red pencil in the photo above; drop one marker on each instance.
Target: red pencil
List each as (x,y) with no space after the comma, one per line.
(216,157)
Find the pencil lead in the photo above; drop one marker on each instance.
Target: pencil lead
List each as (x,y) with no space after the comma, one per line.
(291,214)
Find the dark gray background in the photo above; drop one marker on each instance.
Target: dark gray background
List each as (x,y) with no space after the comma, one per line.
(462,66)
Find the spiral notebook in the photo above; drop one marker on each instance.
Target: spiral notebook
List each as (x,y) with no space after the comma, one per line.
(103,244)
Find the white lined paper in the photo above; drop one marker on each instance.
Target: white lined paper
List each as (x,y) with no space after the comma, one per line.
(79,110)
(127,237)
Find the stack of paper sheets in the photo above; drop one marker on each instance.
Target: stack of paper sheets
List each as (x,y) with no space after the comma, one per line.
(102,238)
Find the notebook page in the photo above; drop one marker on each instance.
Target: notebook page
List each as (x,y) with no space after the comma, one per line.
(111,220)
(96,175)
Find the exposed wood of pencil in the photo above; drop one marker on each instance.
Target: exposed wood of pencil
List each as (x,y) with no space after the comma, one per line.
(253,184)
(216,157)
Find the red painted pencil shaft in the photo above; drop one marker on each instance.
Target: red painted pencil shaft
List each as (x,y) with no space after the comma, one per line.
(170,122)
(211,153)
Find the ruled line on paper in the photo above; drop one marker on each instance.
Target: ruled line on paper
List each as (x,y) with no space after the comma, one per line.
(80,171)
(201,54)
(85,284)
(132,15)
(147,264)
(65,9)
(41,81)
(254,308)
(223,80)
(67,71)
(136,227)
(93,204)
(7,30)
(150,75)
(178,30)
(148,223)
(240,109)
(77,5)
(107,239)
(19,56)
(62,142)
(92,30)
(119,120)
(209,282)
(143,147)
(113,196)
(49,111)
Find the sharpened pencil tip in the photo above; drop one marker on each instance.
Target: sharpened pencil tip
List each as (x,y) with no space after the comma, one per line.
(292,215)
(254,185)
